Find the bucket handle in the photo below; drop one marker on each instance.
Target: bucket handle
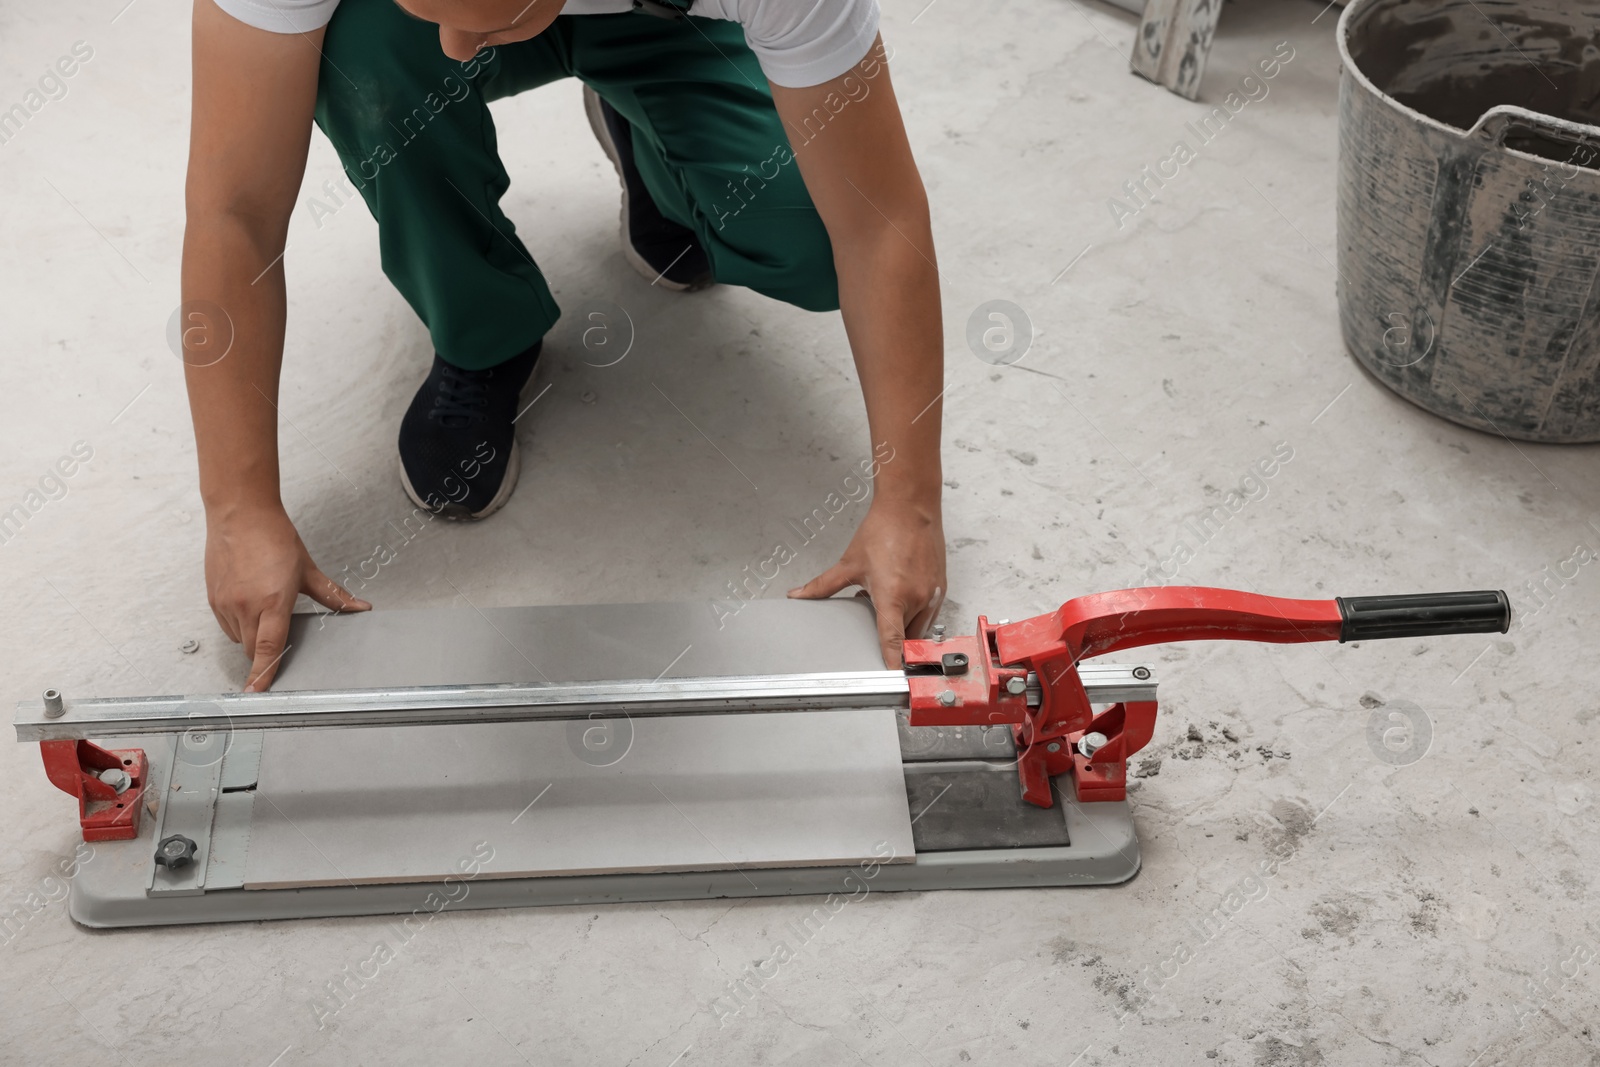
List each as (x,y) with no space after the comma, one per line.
(1502,120)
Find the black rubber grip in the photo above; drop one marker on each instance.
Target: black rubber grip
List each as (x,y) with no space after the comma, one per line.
(1369,618)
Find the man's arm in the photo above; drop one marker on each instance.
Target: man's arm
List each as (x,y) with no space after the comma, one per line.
(864,182)
(254,93)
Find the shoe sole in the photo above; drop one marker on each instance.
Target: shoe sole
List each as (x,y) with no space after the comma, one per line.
(453,512)
(602,133)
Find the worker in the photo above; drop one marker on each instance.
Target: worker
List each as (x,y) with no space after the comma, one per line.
(759,143)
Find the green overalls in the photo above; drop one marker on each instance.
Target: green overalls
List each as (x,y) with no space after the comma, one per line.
(413,130)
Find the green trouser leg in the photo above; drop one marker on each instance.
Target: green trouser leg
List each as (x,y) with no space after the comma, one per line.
(414,133)
(413,130)
(711,148)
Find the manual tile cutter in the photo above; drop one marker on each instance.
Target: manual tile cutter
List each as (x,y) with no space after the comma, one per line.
(1068,720)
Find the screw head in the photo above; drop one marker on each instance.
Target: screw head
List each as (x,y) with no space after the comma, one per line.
(116,778)
(947,698)
(1053,746)
(1090,743)
(1141,673)
(1016,686)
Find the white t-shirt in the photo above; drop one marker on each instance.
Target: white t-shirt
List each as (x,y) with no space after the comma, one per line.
(799,42)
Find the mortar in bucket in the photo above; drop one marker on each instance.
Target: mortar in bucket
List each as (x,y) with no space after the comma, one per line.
(1469,209)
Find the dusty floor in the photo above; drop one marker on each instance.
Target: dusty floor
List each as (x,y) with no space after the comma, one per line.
(1430,911)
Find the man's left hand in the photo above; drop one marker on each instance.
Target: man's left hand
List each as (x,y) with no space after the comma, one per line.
(897,556)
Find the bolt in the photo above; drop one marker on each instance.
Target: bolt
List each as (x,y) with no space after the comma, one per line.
(1016,686)
(117,779)
(1053,747)
(1090,743)
(1141,673)
(53,706)
(948,697)
(938,632)
(190,646)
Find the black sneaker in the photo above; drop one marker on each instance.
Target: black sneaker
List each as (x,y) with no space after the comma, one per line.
(668,254)
(458,447)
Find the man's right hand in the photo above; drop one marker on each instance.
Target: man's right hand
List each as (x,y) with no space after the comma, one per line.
(254,96)
(256,565)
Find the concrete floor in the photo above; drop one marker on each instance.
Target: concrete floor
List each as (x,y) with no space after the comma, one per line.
(1438,911)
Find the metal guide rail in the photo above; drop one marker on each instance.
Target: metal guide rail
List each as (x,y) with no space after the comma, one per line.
(59,720)
(437,705)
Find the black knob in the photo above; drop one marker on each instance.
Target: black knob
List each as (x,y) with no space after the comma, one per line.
(174,852)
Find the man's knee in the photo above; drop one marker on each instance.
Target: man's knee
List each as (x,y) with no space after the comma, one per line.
(805,258)
(383,78)
(781,252)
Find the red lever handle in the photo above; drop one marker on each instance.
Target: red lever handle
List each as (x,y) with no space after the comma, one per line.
(1051,646)
(1128,618)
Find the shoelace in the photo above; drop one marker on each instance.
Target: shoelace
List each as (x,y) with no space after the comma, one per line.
(462,398)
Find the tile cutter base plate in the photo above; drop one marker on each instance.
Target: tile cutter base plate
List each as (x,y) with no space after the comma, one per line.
(110,891)
(971,828)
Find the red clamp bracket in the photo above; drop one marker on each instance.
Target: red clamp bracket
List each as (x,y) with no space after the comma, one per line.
(983,679)
(93,775)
